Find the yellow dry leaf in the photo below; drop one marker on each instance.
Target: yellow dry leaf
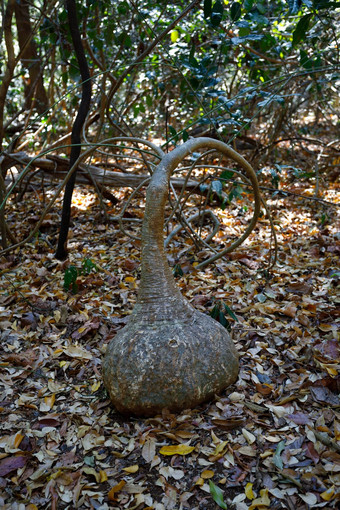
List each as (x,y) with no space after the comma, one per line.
(206,474)
(95,386)
(250,438)
(199,482)
(266,454)
(220,447)
(325,327)
(262,501)
(249,491)
(31,507)
(115,488)
(178,449)
(17,440)
(328,494)
(103,476)
(130,279)
(337,430)
(131,469)
(91,471)
(49,401)
(215,439)
(55,475)
(76,351)
(331,369)
(63,363)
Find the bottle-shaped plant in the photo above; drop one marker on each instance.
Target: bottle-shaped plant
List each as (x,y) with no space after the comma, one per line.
(170,355)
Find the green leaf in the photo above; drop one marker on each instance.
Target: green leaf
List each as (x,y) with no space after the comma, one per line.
(217,13)
(258,18)
(172,131)
(70,277)
(203,188)
(88,266)
(215,312)
(261,8)
(217,495)
(185,135)
(223,321)
(89,460)
(217,187)
(226,175)
(230,312)
(301,29)
(277,456)
(235,192)
(235,11)
(248,4)
(177,270)
(207,8)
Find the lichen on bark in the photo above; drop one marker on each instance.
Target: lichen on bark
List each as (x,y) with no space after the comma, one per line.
(169,355)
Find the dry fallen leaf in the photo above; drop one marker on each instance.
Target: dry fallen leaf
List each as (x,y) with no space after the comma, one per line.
(131,469)
(62,443)
(180,449)
(115,489)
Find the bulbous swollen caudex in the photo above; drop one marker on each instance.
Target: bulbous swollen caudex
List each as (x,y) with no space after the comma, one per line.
(169,355)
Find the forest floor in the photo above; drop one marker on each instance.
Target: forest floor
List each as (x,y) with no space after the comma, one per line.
(270,441)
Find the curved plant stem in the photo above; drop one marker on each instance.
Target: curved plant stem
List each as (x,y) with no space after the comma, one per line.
(157,283)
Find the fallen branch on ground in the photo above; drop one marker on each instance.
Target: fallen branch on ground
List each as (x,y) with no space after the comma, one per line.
(57,167)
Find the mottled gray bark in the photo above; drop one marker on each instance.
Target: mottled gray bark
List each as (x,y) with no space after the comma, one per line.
(169,355)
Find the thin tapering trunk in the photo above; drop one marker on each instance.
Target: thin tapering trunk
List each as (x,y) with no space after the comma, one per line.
(157,286)
(159,298)
(61,252)
(10,65)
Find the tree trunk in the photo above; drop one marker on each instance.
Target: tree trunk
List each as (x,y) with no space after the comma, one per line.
(5,83)
(169,355)
(10,65)
(61,252)
(34,90)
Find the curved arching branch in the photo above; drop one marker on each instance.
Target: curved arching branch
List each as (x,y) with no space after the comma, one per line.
(171,160)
